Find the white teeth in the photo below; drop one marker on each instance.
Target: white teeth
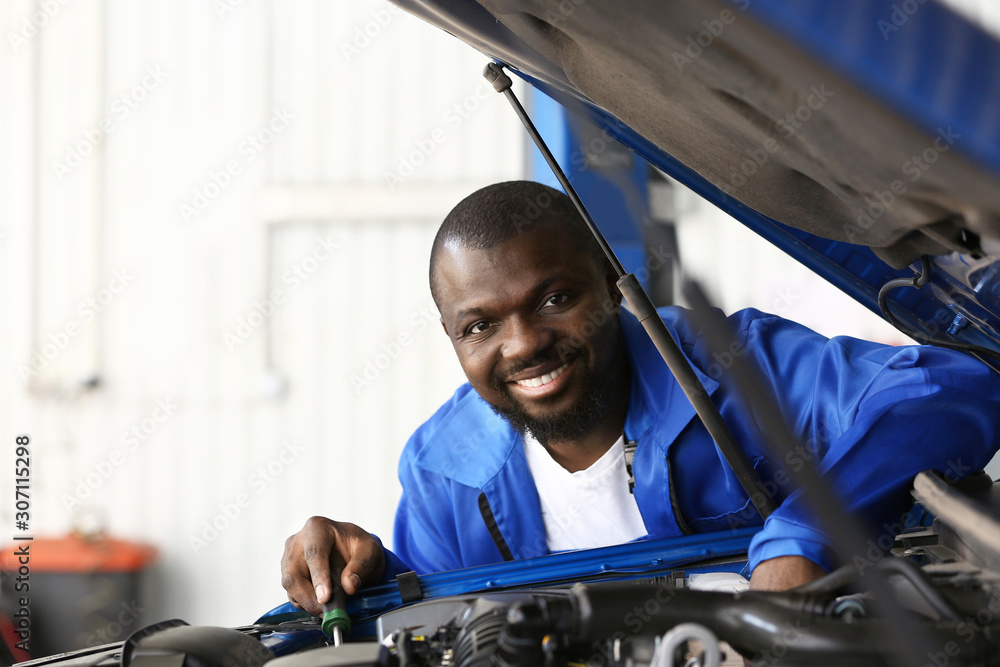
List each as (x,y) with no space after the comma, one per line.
(543,379)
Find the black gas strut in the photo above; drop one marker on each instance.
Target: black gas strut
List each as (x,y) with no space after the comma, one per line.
(644,310)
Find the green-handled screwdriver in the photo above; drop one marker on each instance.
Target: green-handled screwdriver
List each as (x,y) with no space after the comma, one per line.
(335,619)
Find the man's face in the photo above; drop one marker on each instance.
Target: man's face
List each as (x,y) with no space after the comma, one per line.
(535,328)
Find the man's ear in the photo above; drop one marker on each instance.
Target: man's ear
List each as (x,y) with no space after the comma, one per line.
(445,327)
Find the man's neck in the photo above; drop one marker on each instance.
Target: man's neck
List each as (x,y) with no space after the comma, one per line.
(583,452)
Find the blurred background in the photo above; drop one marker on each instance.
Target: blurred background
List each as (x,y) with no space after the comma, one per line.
(214,230)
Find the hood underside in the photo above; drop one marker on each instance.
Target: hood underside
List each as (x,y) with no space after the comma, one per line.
(766,122)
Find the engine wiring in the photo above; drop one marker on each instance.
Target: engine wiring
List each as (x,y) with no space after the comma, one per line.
(846,575)
(918,282)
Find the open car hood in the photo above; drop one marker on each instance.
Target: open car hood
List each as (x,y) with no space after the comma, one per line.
(857,136)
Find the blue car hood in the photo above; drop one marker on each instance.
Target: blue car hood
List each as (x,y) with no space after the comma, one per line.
(857,136)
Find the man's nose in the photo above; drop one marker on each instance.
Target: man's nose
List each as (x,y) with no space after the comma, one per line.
(525,339)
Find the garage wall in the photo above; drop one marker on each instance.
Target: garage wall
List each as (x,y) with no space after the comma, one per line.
(215,232)
(214,227)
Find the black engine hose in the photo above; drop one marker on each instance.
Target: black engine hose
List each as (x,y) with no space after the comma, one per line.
(832,582)
(843,576)
(913,574)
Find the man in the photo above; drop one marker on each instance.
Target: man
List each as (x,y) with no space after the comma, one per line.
(528,457)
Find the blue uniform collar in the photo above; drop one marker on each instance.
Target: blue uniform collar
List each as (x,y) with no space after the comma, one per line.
(654,388)
(472,444)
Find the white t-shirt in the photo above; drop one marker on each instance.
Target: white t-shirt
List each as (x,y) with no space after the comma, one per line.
(588,508)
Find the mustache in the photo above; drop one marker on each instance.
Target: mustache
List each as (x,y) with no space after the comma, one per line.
(549,354)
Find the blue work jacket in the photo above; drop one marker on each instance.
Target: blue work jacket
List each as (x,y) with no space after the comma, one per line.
(870,416)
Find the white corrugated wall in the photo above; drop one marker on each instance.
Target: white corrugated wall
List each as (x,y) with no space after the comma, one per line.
(252,317)
(296,245)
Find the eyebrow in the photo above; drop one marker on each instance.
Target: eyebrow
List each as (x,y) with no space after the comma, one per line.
(465,313)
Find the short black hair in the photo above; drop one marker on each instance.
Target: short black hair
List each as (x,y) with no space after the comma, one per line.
(499,212)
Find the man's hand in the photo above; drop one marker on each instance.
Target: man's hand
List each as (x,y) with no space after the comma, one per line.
(322,548)
(780,574)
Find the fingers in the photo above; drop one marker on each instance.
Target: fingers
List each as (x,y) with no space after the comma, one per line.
(306,564)
(297,587)
(325,549)
(318,549)
(363,553)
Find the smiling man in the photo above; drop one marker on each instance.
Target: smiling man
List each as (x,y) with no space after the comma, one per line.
(520,311)
(529,457)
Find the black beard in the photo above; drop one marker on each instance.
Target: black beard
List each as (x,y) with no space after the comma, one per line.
(587,412)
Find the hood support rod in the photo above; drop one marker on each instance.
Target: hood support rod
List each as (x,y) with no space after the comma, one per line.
(646,313)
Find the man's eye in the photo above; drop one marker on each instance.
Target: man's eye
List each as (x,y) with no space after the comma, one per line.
(477,328)
(556,300)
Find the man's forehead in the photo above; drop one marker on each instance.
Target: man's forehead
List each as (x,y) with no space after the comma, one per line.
(470,272)
(461,269)
(532,242)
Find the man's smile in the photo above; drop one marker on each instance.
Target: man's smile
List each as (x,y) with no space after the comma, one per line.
(542,381)
(539,380)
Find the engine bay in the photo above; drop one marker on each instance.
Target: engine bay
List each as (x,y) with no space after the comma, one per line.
(944,578)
